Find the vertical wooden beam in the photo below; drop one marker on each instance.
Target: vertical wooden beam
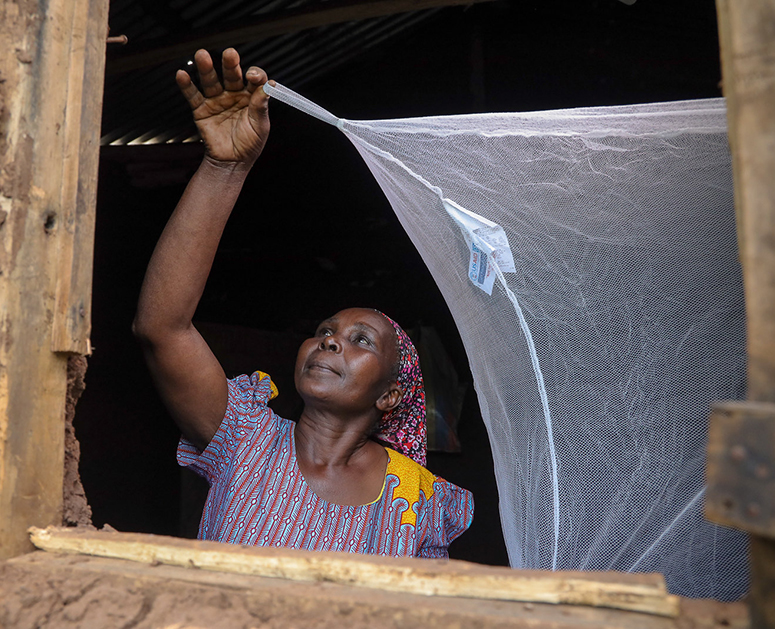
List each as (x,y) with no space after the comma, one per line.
(747,35)
(72,313)
(53,52)
(747,30)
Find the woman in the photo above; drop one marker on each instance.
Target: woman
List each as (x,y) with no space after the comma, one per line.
(325,482)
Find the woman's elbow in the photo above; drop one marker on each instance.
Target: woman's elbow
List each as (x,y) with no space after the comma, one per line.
(153,331)
(144,330)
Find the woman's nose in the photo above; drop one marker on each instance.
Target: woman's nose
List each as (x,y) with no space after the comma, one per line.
(329,343)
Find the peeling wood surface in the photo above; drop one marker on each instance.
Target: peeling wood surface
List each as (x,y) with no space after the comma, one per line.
(644,593)
(34,94)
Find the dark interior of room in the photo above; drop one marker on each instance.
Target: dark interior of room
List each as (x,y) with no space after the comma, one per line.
(313,233)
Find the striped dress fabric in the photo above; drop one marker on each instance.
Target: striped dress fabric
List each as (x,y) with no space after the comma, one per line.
(259,497)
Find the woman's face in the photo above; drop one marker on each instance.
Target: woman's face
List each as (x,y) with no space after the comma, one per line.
(348,366)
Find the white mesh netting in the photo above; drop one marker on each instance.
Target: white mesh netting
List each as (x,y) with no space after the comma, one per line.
(601,345)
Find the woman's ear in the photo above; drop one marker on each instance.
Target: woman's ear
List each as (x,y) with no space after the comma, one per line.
(390,398)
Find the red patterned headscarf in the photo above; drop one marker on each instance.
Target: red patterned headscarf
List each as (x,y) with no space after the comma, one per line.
(403,428)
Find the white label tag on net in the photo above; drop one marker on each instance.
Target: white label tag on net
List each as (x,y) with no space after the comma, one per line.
(480,268)
(487,243)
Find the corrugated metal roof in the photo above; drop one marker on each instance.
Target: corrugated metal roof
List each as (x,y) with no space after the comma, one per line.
(144,106)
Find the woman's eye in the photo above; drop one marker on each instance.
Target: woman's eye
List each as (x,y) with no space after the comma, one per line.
(364,340)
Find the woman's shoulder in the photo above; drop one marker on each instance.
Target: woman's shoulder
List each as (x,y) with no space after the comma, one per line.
(412,475)
(409,472)
(247,407)
(256,387)
(443,505)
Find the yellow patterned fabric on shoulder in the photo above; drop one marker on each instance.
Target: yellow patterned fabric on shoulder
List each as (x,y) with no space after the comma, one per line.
(413,478)
(275,392)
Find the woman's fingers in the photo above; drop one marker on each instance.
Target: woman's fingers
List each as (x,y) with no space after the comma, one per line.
(187,87)
(255,76)
(232,73)
(232,80)
(208,77)
(258,110)
(259,99)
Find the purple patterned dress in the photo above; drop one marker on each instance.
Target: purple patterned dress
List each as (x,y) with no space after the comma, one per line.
(258,496)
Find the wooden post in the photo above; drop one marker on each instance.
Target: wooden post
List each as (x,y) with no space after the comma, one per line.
(50,100)
(747,35)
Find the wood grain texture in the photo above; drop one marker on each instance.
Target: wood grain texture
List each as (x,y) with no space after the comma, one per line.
(72,313)
(643,593)
(747,35)
(34,97)
(747,30)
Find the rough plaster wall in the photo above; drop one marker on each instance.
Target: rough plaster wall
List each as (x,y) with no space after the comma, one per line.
(76,509)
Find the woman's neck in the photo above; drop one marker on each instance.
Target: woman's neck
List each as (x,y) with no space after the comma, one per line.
(338,460)
(326,440)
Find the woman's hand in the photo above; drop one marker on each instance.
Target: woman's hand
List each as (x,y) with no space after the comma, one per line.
(233,118)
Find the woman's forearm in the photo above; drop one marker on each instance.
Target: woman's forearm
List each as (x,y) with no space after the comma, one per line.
(181,262)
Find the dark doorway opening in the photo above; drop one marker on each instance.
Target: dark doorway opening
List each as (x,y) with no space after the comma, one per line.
(312,232)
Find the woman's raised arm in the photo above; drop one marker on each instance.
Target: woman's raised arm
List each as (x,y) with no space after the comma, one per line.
(233,121)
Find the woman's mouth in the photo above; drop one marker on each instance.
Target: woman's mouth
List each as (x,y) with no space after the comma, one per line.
(321,366)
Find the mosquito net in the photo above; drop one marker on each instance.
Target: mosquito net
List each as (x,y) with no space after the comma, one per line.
(589,259)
